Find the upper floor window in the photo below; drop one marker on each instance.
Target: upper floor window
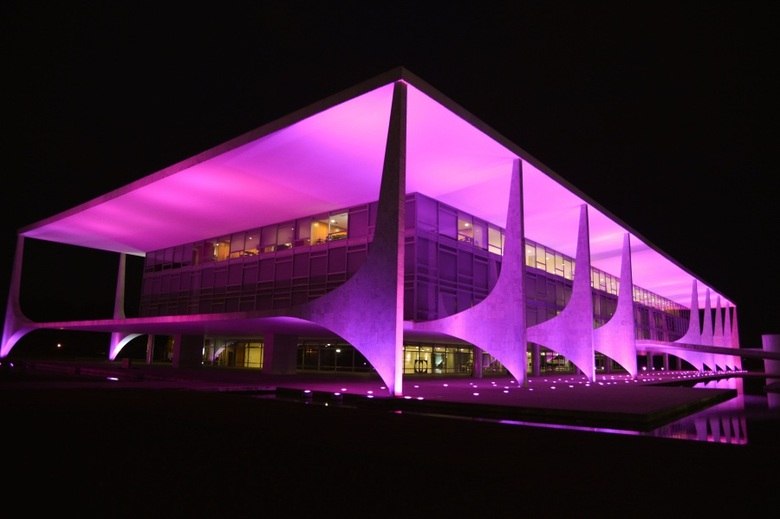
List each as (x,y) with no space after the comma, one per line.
(465,228)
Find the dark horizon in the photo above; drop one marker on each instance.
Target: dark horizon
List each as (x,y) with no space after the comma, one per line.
(660,114)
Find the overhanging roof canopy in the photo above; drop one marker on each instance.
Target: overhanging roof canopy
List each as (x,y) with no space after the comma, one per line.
(329,156)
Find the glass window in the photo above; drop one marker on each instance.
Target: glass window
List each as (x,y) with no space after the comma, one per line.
(285,235)
(494,240)
(358,222)
(558,264)
(614,284)
(178,256)
(540,257)
(530,255)
(426,213)
(168,257)
(480,234)
(448,222)
(465,228)
(209,251)
(268,238)
(319,229)
(302,232)
(409,212)
(206,254)
(219,248)
(252,242)
(159,259)
(338,226)
(237,244)
(568,269)
(196,251)
(549,262)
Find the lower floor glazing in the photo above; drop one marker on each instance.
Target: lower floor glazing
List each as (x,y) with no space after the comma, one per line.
(418,358)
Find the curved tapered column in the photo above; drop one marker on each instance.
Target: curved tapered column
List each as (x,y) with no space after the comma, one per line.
(693,334)
(571,332)
(727,338)
(694,358)
(734,328)
(617,337)
(717,333)
(16,324)
(771,343)
(706,326)
(118,339)
(735,337)
(497,323)
(718,337)
(367,310)
(706,332)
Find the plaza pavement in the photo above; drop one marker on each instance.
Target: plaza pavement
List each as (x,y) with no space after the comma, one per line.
(645,402)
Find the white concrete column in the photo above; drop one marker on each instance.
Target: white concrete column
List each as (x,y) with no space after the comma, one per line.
(536,360)
(706,329)
(771,343)
(497,323)
(279,354)
(367,310)
(150,348)
(693,334)
(117,341)
(717,335)
(735,337)
(187,351)
(706,332)
(16,324)
(477,371)
(570,333)
(617,337)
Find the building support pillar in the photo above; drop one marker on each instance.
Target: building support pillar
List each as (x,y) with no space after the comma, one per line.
(16,324)
(707,333)
(478,354)
(570,333)
(693,334)
(497,323)
(187,351)
(735,338)
(149,349)
(771,343)
(536,360)
(616,339)
(367,310)
(279,354)
(118,339)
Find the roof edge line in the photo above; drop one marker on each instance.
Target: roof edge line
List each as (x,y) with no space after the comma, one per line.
(379,80)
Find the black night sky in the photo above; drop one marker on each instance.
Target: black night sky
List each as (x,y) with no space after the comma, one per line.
(663,113)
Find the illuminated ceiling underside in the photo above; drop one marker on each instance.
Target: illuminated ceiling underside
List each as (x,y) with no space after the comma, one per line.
(329,156)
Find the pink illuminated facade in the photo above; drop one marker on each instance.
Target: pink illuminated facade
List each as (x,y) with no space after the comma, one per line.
(386,229)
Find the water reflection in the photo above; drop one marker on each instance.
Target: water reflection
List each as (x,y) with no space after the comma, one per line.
(722,423)
(727,422)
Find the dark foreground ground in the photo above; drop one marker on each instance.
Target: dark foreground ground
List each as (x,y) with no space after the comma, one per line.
(97,450)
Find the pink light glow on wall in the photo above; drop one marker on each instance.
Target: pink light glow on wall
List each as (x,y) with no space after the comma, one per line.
(551,213)
(330,160)
(333,159)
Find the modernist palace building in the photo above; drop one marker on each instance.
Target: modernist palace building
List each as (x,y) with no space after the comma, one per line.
(385,229)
